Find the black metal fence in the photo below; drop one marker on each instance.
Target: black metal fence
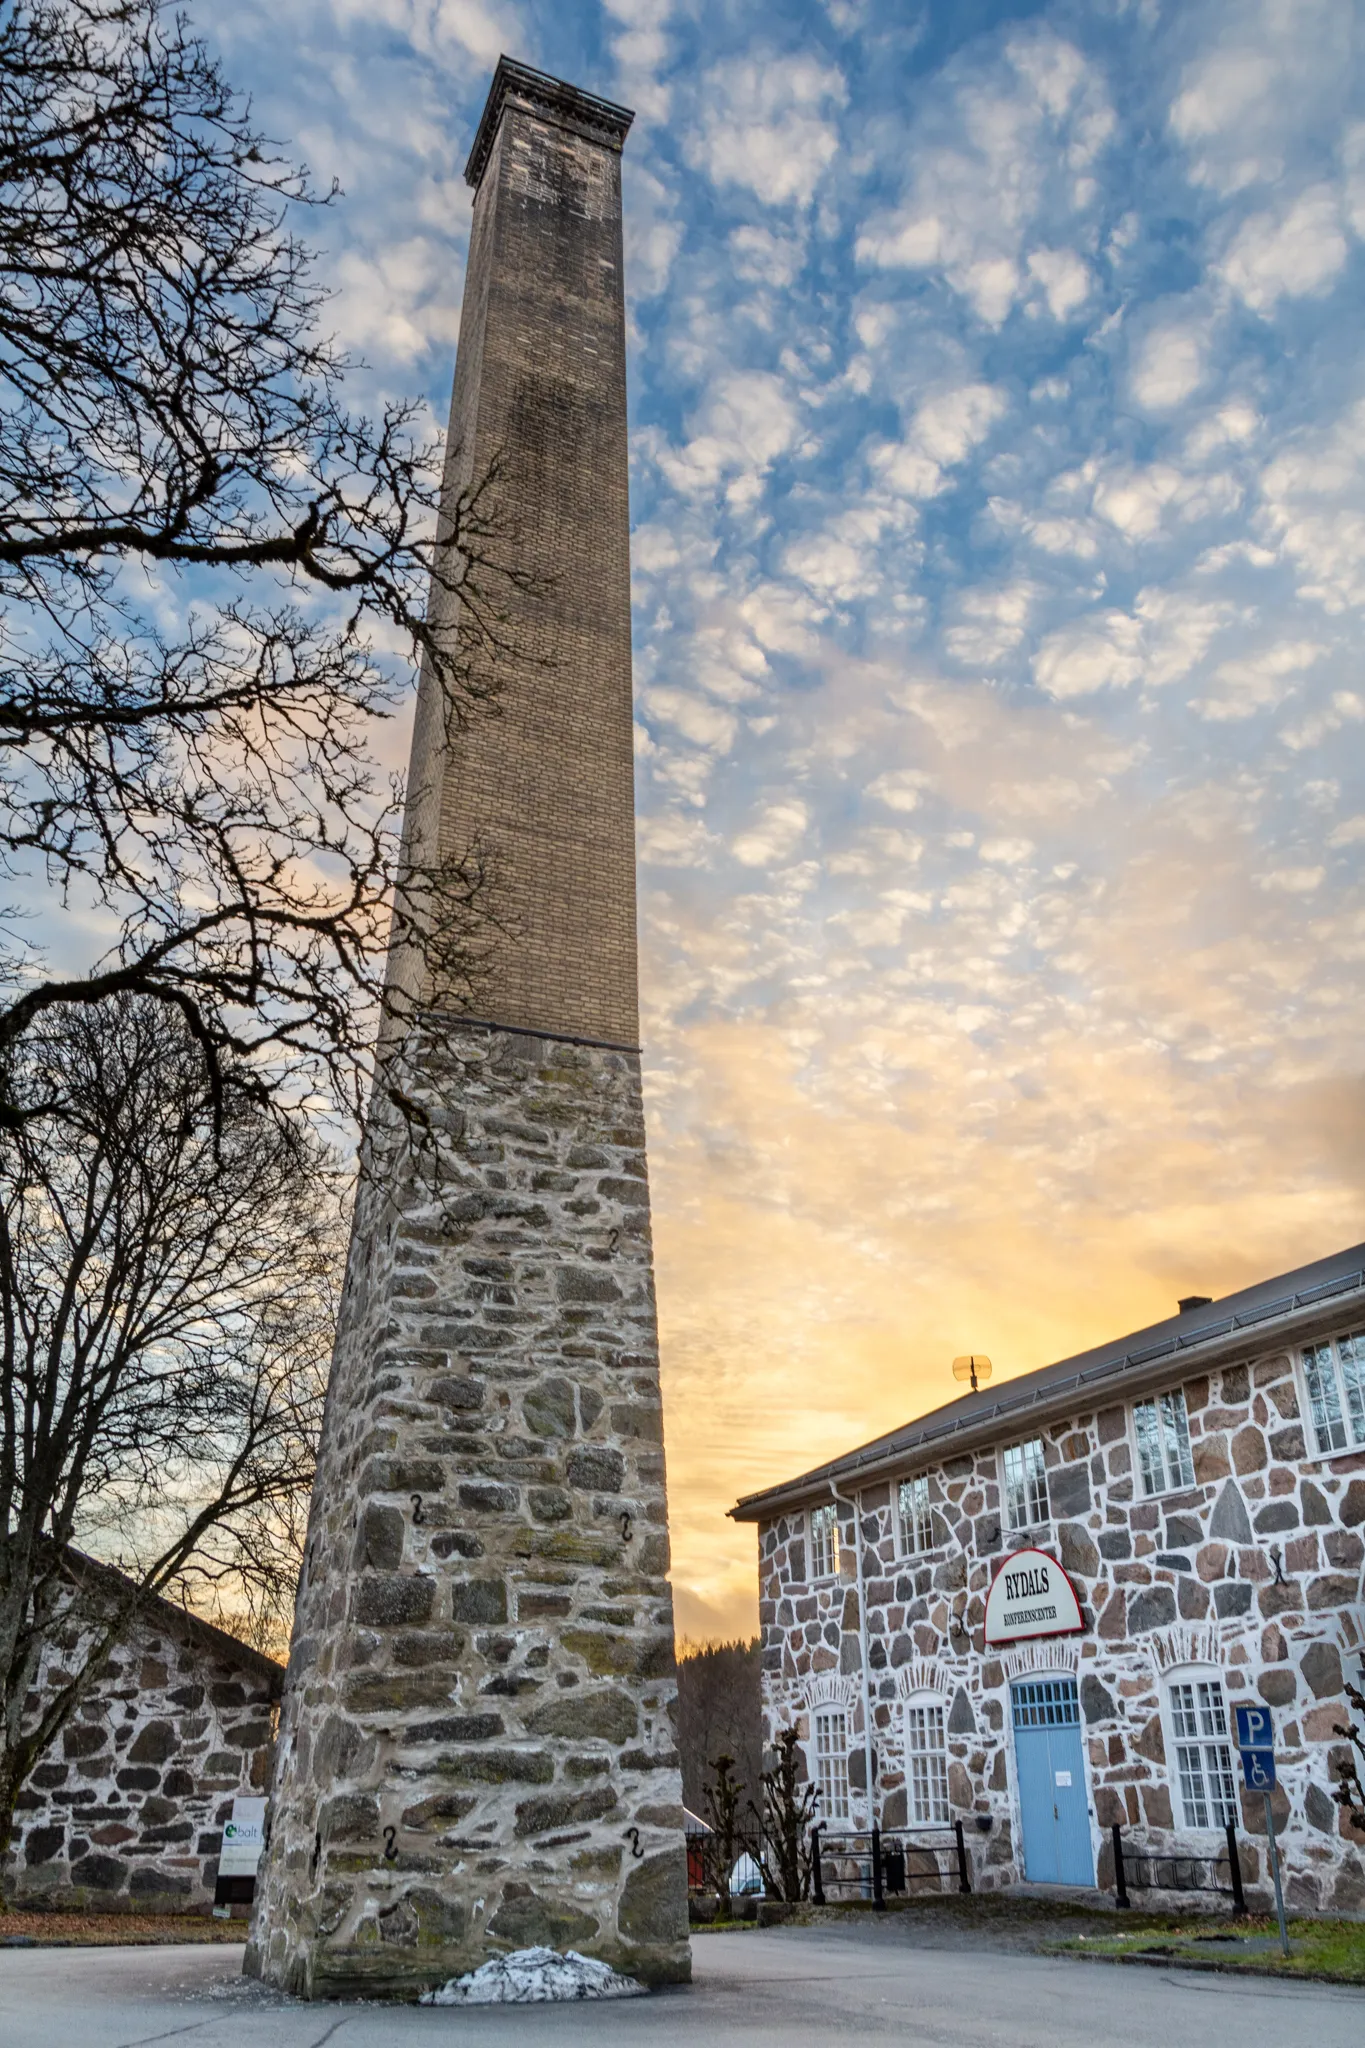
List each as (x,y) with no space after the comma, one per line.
(879,1863)
(838,1865)
(1174,1871)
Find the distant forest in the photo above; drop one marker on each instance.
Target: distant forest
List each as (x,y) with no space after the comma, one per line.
(719,1712)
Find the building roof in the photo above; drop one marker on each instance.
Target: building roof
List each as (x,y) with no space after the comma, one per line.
(96,1580)
(1287,1306)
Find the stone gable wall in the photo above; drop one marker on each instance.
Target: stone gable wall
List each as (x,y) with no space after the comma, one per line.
(1186,1578)
(127,1809)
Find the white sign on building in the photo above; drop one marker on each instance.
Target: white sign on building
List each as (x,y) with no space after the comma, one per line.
(1031,1596)
(243,1841)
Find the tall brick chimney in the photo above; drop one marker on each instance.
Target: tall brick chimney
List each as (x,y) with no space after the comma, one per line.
(477,1745)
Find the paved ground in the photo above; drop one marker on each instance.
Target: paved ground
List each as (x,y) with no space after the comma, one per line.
(776,1988)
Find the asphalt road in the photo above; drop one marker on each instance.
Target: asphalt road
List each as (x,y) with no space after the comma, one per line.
(779,1988)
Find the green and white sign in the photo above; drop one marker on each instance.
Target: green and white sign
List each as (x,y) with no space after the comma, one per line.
(243,1839)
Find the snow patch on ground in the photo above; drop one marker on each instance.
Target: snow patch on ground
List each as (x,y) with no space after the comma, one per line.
(531,1975)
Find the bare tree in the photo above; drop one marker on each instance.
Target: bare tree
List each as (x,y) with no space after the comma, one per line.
(166,1303)
(212,574)
(789,1803)
(720,1847)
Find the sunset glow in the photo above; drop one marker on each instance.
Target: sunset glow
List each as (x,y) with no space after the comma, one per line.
(998,417)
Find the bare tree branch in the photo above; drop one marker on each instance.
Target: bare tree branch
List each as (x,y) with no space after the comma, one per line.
(213,575)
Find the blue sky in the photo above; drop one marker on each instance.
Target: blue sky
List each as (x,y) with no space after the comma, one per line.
(998,429)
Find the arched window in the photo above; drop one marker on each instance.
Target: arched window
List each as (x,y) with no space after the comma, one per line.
(926,1759)
(1198,1747)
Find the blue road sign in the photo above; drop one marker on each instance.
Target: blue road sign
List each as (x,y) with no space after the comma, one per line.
(1255,1729)
(1258,1768)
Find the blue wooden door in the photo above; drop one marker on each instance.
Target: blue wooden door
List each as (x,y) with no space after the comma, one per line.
(1052,1795)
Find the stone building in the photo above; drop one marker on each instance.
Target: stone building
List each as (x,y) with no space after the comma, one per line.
(1202,1485)
(477,1747)
(127,1810)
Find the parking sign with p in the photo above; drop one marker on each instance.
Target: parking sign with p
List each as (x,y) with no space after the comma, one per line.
(1255,1729)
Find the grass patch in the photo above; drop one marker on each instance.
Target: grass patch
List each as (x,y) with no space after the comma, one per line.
(1331,1949)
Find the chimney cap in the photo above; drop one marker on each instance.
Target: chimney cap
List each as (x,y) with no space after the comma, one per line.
(601,121)
(1189,1301)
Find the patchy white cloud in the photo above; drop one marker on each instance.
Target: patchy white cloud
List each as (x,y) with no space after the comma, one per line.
(747,420)
(942,433)
(673,839)
(1164,637)
(774,836)
(1169,364)
(1065,278)
(1259,681)
(1313,506)
(1020,144)
(1104,653)
(767,124)
(989,623)
(1287,254)
(1253,95)
(900,789)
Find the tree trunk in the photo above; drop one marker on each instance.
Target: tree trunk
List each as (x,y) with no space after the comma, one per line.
(15,1766)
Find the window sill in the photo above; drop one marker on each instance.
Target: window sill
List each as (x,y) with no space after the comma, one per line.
(1194,1495)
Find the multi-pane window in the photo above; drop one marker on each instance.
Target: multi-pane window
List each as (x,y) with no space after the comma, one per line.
(1203,1755)
(824,1542)
(917,1521)
(831,1762)
(926,1762)
(1163,1443)
(1335,1373)
(1025,1484)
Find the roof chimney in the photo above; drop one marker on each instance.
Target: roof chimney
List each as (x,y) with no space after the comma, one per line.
(1189,1301)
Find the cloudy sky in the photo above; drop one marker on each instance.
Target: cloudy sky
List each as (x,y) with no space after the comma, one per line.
(998,410)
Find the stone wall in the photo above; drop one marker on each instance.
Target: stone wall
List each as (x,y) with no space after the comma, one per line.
(477,1746)
(126,1812)
(1189,1578)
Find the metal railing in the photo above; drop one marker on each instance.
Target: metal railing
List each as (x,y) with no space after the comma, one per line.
(1177,1871)
(874,1863)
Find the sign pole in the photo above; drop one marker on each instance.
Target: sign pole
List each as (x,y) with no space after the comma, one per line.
(1275,1871)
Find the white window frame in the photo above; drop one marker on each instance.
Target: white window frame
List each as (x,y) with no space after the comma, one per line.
(1338,1398)
(1206,1775)
(826,1516)
(1171,1396)
(918,1521)
(829,1760)
(1031,1520)
(925,1715)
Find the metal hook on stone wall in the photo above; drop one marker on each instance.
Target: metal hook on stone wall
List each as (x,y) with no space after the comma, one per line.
(627,1527)
(1275,1558)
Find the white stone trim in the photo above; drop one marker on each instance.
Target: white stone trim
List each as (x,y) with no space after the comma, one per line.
(1171,1648)
(1044,1656)
(920,1676)
(830,1689)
